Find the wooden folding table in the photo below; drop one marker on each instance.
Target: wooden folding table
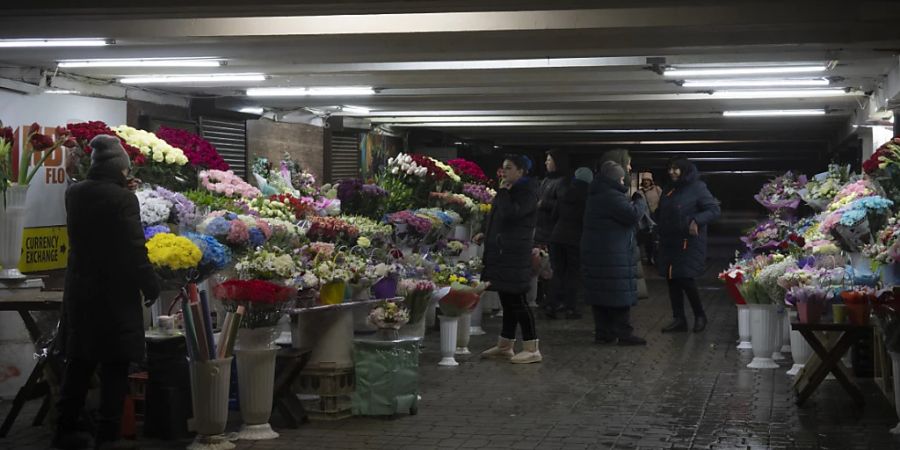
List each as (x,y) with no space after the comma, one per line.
(829,341)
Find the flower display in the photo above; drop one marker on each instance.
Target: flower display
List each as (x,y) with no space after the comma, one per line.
(240,232)
(227,183)
(198,151)
(369,229)
(432,170)
(170,252)
(850,192)
(479,193)
(153,148)
(183,209)
(83,132)
(782,193)
(331,229)
(404,165)
(451,174)
(153,230)
(154,209)
(824,187)
(458,203)
(216,256)
(38,142)
(207,201)
(285,233)
(411,222)
(468,171)
(272,209)
(361,199)
(325,206)
(388,314)
(300,207)
(416,296)
(768,277)
(264,301)
(885,248)
(268,264)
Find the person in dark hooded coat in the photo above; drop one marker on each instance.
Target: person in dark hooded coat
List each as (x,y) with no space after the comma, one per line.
(507,258)
(108,270)
(685,210)
(565,256)
(608,257)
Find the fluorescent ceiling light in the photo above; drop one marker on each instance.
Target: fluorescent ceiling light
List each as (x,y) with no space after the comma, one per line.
(793,93)
(775,113)
(756,83)
(355,109)
(302,91)
(200,78)
(256,110)
(773,70)
(339,91)
(24,43)
(151,62)
(60,91)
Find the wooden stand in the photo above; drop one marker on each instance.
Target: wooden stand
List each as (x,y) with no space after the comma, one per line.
(829,341)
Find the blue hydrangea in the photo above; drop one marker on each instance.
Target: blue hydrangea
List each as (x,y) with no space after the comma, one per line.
(231,216)
(218,227)
(215,254)
(257,237)
(151,231)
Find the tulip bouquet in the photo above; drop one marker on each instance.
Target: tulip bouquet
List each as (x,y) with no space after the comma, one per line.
(35,142)
(227,183)
(416,295)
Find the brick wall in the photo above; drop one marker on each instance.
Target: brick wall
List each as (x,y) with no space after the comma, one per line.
(305,143)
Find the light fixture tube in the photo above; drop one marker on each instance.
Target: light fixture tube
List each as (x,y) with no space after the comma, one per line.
(60,91)
(772,70)
(26,43)
(199,78)
(355,109)
(775,113)
(162,62)
(257,110)
(301,91)
(756,83)
(792,93)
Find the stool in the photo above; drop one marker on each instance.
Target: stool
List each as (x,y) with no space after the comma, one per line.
(289,362)
(137,383)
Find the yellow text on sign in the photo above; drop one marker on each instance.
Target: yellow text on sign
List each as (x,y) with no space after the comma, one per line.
(44,248)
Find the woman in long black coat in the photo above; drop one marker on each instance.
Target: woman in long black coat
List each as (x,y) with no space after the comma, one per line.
(108,269)
(608,257)
(685,210)
(507,258)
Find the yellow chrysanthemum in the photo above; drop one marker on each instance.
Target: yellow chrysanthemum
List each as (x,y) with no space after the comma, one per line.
(173,252)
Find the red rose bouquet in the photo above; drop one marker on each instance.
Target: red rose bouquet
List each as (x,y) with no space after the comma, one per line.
(264,301)
(200,153)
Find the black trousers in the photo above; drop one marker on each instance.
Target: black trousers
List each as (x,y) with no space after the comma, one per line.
(612,322)
(516,313)
(678,288)
(566,263)
(113,388)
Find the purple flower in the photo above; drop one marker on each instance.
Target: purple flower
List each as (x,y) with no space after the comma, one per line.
(151,231)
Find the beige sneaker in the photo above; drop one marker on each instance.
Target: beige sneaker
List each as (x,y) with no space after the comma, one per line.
(503,349)
(529,354)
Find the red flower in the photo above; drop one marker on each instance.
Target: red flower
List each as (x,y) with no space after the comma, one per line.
(256,291)
(198,151)
(34,129)
(41,142)
(468,170)
(783,245)
(801,242)
(7,134)
(434,171)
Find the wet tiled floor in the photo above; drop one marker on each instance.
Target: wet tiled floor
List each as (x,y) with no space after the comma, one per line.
(681,391)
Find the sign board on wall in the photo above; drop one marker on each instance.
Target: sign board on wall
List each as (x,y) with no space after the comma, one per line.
(45,241)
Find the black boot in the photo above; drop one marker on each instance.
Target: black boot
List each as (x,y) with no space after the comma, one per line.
(74,440)
(677,325)
(632,340)
(699,324)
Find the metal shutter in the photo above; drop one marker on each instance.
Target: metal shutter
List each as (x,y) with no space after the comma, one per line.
(230,139)
(344,161)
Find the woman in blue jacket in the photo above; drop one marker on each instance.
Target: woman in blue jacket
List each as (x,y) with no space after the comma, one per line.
(685,210)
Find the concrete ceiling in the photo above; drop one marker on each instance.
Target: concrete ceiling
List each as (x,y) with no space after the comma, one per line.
(610,83)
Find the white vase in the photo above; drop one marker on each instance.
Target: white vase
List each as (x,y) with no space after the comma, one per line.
(462,233)
(744,327)
(763,324)
(209,392)
(462,334)
(778,335)
(786,337)
(449,327)
(475,323)
(255,354)
(12,221)
(800,352)
(895,366)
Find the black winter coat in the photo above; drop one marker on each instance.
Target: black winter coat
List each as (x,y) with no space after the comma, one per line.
(680,254)
(107,270)
(510,238)
(608,262)
(569,215)
(552,189)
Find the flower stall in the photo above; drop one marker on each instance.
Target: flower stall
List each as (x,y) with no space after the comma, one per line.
(239,258)
(835,264)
